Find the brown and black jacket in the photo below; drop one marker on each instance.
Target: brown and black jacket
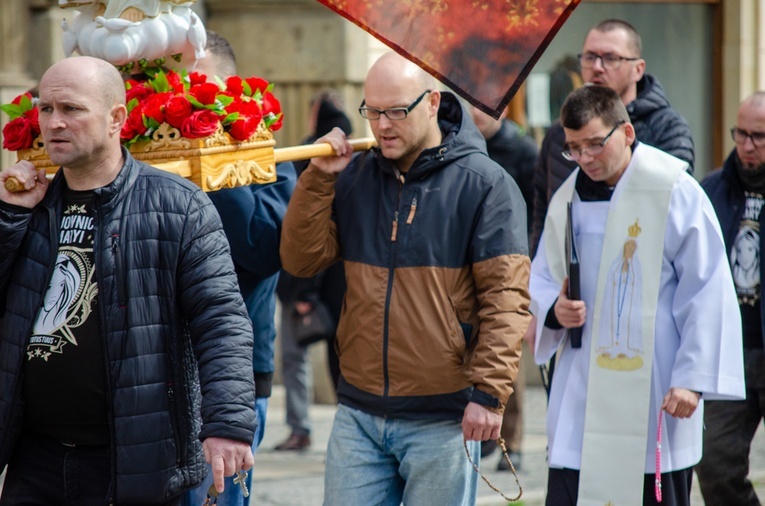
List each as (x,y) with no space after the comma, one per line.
(437,271)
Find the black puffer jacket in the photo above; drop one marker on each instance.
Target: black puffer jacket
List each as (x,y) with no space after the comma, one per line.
(168,298)
(655,122)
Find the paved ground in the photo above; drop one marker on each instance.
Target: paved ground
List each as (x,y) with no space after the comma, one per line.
(296,479)
(290,479)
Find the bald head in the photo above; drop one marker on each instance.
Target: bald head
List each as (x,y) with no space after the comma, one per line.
(749,132)
(395,68)
(756,100)
(82,111)
(102,77)
(394,82)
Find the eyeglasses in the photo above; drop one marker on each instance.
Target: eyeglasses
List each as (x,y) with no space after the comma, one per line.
(574,155)
(740,137)
(609,61)
(394,113)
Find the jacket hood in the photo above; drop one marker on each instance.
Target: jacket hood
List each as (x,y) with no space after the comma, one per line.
(650,97)
(460,138)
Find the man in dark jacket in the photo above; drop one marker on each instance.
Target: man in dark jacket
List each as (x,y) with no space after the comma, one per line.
(252,219)
(737,192)
(120,307)
(508,144)
(512,148)
(612,56)
(433,236)
(304,298)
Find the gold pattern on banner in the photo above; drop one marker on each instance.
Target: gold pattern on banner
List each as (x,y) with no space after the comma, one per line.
(522,14)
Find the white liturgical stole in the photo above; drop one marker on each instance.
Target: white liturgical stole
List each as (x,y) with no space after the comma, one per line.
(623,321)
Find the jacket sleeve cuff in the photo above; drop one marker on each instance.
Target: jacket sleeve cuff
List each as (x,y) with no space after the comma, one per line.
(551,321)
(227,432)
(484,399)
(13,208)
(263,384)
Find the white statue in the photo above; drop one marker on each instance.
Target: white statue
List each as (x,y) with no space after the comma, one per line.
(126,32)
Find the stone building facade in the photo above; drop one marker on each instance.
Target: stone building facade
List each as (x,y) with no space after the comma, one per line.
(303,47)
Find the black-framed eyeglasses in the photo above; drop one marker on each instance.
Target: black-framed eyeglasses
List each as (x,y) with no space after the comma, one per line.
(573,155)
(609,61)
(394,113)
(740,136)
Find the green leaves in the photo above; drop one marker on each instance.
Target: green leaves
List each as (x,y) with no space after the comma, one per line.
(17,110)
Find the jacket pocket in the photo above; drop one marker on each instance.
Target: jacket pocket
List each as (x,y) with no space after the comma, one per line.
(467,331)
(459,330)
(172,407)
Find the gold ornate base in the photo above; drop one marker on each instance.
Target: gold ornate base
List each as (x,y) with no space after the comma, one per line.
(213,162)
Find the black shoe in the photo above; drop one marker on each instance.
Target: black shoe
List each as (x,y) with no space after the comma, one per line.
(515,458)
(488,447)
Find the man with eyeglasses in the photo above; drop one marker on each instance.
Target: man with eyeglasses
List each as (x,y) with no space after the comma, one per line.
(612,57)
(737,192)
(432,233)
(657,312)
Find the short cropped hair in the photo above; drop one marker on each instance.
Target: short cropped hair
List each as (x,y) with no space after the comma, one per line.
(328,95)
(636,42)
(589,102)
(756,98)
(220,47)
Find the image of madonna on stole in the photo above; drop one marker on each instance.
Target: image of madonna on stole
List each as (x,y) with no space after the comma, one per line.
(620,337)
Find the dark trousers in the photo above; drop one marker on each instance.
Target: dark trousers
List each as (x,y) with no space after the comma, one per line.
(43,472)
(512,420)
(563,488)
(730,428)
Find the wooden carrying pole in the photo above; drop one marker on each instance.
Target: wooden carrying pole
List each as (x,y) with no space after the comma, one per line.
(304,152)
(288,154)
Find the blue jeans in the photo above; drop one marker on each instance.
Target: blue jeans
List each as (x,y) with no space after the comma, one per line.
(232,495)
(382,461)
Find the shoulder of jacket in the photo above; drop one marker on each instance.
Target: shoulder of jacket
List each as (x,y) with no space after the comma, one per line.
(162,180)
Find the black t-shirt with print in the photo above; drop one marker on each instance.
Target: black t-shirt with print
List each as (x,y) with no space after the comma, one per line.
(64,382)
(745,265)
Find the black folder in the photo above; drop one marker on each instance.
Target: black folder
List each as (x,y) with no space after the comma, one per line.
(572,269)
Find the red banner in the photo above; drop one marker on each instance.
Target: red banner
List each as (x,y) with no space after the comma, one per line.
(481,49)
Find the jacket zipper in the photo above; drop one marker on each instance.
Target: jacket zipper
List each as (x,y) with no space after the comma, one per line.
(98,256)
(394,233)
(391,270)
(121,289)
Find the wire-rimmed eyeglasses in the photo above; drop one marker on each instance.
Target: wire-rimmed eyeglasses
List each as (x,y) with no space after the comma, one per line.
(394,113)
(609,61)
(574,155)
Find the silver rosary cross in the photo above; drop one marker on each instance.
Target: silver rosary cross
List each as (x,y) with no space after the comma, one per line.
(240,479)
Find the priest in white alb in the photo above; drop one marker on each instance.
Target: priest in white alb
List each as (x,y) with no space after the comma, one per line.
(661,326)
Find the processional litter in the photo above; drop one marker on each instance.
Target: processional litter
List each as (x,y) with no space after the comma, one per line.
(146,35)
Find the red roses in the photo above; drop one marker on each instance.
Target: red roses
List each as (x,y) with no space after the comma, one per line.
(184,101)
(196,107)
(24,127)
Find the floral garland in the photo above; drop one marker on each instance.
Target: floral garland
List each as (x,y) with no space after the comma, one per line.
(197,108)
(24,127)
